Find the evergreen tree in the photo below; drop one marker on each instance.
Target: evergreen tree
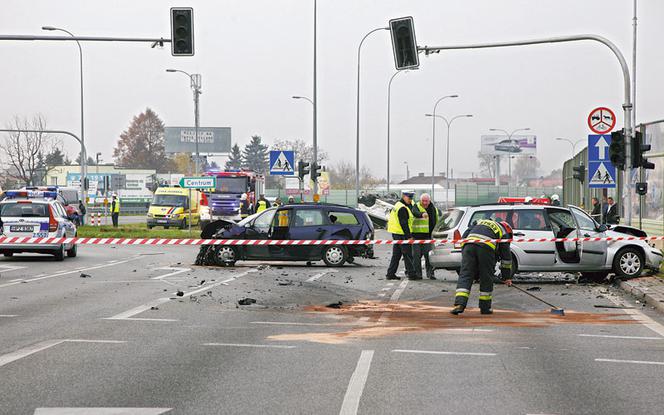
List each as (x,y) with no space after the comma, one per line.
(255,156)
(234,161)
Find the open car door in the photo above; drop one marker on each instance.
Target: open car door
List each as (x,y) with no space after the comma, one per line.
(592,253)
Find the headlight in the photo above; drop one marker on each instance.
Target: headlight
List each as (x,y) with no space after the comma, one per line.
(150,215)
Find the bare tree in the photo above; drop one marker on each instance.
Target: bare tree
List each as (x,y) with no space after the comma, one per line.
(303,150)
(342,175)
(526,168)
(487,164)
(24,150)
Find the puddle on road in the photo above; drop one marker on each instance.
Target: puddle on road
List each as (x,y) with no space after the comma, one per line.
(419,316)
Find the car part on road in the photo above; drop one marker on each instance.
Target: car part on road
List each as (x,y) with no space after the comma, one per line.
(628,262)
(335,256)
(246,301)
(554,309)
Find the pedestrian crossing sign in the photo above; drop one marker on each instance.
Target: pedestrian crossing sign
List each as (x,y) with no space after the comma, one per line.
(601,175)
(282,163)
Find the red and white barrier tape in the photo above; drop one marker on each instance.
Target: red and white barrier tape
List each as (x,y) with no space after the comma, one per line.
(156,241)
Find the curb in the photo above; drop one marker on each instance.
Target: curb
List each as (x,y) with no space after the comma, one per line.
(638,288)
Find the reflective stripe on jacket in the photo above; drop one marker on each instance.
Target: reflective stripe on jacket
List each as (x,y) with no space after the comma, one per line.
(261,206)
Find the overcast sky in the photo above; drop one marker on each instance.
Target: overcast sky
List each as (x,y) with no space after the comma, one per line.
(255,54)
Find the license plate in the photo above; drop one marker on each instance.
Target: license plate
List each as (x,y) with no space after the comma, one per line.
(162,221)
(21,228)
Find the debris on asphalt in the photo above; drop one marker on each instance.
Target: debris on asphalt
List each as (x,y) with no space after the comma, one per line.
(338,304)
(133,270)
(154,308)
(202,282)
(621,307)
(535,288)
(179,293)
(600,296)
(287,282)
(443,290)
(263,267)
(246,301)
(84,275)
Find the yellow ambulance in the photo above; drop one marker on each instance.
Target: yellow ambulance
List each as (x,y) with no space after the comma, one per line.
(171,207)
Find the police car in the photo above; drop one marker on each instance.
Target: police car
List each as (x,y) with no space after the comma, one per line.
(35,214)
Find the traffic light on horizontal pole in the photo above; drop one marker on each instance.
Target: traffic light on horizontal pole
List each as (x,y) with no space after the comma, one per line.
(182,31)
(404,44)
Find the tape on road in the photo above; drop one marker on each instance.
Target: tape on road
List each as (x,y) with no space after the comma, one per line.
(232,242)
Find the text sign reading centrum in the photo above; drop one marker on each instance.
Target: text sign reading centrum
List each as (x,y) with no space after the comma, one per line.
(198,182)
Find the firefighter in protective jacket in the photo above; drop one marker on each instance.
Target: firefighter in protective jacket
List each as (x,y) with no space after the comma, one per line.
(479,259)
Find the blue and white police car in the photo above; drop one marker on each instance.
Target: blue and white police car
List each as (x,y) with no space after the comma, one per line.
(35,214)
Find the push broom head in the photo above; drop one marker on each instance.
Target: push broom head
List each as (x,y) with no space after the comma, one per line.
(558,311)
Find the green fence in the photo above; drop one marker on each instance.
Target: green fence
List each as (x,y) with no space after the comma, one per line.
(469,194)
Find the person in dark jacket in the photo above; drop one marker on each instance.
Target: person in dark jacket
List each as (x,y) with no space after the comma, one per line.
(612,216)
(400,226)
(422,229)
(479,258)
(596,212)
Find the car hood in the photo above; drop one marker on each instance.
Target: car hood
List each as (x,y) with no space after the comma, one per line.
(622,230)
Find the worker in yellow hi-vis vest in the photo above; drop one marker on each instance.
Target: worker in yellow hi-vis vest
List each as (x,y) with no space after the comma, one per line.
(400,225)
(115,210)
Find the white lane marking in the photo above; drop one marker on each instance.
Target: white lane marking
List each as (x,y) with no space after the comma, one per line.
(10,268)
(353,394)
(143,319)
(141,308)
(61,273)
(101,411)
(606,336)
(386,288)
(320,274)
(389,284)
(8,315)
(442,352)
(46,344)
(639,316)
(397,293)
(638,362)
(382,294)
(175,270)
(270,346)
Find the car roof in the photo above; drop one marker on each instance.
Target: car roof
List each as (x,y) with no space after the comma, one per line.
(311,205)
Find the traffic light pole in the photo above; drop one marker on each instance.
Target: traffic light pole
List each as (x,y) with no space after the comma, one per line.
(627,105)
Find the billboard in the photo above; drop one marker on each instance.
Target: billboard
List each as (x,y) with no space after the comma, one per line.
(210,140)
(501,145)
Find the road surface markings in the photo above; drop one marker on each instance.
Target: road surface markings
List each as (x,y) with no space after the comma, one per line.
(127,315)
(10,268)
(442,352)
(606,336)
(175,271)
(397,293)
(270,346)
(38,347)
(638,316)
(320,274)
(8,315)
(101,411)
(638,362)
(353,394)
(61,273)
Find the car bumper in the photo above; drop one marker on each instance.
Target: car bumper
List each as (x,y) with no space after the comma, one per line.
(165,222)
(654,259)
(36,248)
(445,257)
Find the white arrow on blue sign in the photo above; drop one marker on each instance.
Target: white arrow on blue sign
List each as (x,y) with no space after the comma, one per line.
(601,172)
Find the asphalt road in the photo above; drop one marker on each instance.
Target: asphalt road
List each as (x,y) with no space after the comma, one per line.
(123,338)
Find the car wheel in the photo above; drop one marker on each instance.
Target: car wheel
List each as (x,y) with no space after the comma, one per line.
(60,253)
(628,263)
(335,256)
(225,255)
(73,251)
(8,254)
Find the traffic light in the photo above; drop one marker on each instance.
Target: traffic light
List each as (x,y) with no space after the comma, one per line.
(580,173)
(638,149)
(302,169)
(641,188)
(404,45)
(86,184)
(315,171)
(182,31)
(617,149)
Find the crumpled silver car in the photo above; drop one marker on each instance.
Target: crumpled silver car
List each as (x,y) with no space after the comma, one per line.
(595,260)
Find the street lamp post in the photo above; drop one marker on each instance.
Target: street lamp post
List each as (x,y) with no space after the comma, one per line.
(84,156)
(389,104)
(314,133)
(357,115)
(509,137)
(195,80)
(407,170)
(433,145)
(447,163)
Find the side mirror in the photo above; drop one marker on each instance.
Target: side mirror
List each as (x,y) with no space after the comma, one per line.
(602,228)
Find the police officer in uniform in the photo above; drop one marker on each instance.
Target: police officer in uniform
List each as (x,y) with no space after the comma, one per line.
(262,204)
(479,258)
(400,225)
(422,229)
(115,210)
